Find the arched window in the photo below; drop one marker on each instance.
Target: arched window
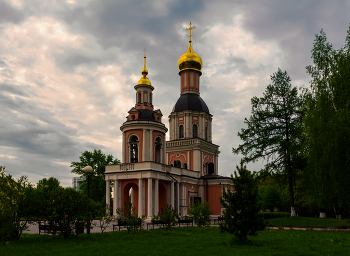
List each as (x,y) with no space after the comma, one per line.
(194,131)
(139,97)
(206,133)
(184,165)
(210,168)
(158,147)
(150,98)
(181,131)
(134,149)
(177,163)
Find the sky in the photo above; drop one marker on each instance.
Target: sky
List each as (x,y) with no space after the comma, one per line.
(68,69)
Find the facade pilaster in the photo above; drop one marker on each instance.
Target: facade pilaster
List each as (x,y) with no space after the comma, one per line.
(144,146)
(151,145)
(187,125)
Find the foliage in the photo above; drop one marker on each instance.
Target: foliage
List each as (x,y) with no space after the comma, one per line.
(50,183)
(308,222)
(70,209)
(97,160)
(169,216)
(18,202)
(327,124)
(131,220)
(200,213)
(274,215)
(271,198)
(274,128)
(242,206)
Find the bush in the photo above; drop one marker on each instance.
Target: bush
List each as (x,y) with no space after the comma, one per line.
(130,218)
(169,217)
(201,213)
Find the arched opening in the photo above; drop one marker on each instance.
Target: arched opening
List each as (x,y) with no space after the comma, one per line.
(177,163)
(134,149)
(162,197)
(128,202)
(181,131)
(158,149)
(139,97)
(195,131)
(150,98)
(206,133)
(210,168)
(184,165)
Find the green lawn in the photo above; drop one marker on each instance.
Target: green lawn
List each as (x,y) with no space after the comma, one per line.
(184,241)
(309,222)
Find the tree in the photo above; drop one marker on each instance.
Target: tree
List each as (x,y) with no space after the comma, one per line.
(242,206)
(18,202)
(274,129)
(327,124)
(50,183)
(97,160)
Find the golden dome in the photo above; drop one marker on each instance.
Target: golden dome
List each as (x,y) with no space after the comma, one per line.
(190,59)
(144,80)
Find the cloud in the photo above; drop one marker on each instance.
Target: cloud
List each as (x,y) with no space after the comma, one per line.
(9,14)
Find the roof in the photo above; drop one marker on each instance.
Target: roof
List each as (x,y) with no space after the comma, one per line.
(190,101)
(213,176)
(145,115)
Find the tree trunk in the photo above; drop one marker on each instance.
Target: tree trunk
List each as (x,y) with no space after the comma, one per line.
(289,173)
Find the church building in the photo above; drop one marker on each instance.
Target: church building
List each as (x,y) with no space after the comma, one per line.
(178,172)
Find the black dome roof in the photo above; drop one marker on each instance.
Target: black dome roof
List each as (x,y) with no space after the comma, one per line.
(144,115)
(190,101)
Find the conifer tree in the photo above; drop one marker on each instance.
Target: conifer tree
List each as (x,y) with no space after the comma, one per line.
(242,206)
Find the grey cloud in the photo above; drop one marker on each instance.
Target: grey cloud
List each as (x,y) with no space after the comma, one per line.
(9,13)
(12,89)
(2,63)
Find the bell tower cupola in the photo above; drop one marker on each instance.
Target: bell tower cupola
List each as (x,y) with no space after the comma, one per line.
(143,131)
(190,65)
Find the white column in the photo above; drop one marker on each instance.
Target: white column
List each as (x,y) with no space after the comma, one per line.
(172,194)
(108,192)
(216,164)
(115,197)
(210,128)
(132,197)
(141,199)
(123,148)
(151,145)
(144,146)
(150,198)
(178,196)
(184,196)
(202,126)
(156,196)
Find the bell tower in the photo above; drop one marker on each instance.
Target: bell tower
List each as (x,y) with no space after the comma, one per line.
(143,131)
(190,122)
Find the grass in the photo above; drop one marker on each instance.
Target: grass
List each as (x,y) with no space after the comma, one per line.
(184,241)
(309,222)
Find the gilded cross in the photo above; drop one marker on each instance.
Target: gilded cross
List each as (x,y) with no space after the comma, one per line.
(190,29)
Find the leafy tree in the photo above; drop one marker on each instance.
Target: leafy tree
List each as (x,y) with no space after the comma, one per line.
(327,124)
(97,160)
(18,202)
(201,213)
(271,198)
(274,129)
(242,206)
